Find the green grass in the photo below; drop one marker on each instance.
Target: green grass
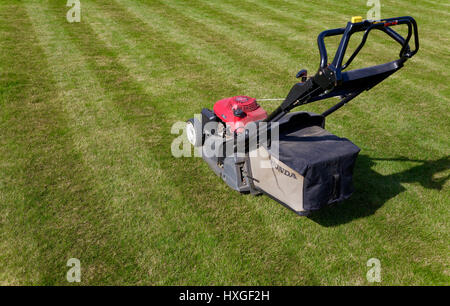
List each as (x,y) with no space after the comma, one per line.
(86,170)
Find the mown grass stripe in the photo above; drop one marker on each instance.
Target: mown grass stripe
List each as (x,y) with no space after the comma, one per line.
(106,143)
(44,181)
(229,42)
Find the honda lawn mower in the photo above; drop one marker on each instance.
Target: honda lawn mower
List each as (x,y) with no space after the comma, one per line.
(289,155)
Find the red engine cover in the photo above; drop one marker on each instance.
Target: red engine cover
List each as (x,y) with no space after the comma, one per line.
(237,111)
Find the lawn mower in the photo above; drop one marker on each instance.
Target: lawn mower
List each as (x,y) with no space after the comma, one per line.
(304,167)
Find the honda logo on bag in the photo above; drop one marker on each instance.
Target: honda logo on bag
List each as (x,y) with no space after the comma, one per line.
(282,170)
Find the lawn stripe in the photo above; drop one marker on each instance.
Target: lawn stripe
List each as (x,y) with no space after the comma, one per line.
(46,184)
(122,166)
(202,54)
(252,54)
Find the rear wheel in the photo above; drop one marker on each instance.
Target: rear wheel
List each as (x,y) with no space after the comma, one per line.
(194,132)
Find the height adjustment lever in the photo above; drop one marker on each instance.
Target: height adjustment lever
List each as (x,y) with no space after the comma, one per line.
(302,74)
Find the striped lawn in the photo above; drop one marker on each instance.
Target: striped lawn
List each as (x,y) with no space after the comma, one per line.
(86,170)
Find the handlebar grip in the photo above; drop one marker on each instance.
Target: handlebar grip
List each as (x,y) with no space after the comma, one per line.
(367,26)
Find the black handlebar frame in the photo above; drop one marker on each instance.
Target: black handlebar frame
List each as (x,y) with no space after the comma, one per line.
(367,26)
(330,75)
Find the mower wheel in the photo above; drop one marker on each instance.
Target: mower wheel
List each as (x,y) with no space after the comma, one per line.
(194,132)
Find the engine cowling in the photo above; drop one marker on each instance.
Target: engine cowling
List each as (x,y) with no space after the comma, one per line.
(238,111)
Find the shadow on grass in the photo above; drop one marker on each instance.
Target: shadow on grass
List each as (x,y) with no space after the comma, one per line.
(372,189)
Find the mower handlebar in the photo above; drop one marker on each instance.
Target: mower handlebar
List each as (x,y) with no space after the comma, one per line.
(330,81)
(367,26)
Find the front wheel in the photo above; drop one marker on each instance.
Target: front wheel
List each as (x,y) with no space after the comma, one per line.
(194,132)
